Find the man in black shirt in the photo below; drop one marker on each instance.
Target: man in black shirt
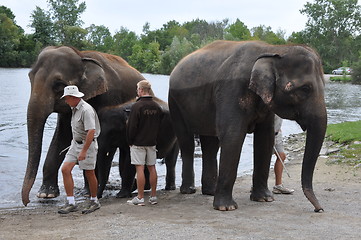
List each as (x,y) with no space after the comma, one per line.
(142,130)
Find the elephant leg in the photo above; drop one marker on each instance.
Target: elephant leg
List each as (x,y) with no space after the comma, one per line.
(186,144)
(127,173)
(170,162)
(61,140)
(229,159)
(104,163)
(210,146)
(263,149)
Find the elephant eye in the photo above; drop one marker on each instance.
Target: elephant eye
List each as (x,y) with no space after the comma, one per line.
(304,91)
(58,86)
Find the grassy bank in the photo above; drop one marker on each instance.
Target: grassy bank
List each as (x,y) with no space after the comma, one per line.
(347,136)
(341,78)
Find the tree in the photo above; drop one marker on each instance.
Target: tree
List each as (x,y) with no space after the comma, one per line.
(124,41)
(176,51)
(266,34)
(65,14)
(10,35)
(43,27)
(331,28)
(238,31)
(207,32)
(99,38)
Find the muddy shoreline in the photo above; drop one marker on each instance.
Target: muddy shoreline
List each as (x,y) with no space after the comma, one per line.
(179,216)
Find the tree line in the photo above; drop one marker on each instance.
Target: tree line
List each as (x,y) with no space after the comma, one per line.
(333,29)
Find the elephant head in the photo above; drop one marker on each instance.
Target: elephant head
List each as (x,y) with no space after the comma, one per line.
(56,68)
(290,81)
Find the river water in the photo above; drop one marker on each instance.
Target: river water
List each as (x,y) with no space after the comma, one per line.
(343,104)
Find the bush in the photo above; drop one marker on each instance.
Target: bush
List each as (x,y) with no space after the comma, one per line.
(356,72)
(343,78)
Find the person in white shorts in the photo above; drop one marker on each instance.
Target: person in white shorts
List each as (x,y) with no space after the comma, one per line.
(281,156)
(142,131)
(83,149)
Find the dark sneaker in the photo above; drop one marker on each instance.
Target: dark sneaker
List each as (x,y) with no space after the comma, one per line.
(153,200)
(68,208)
(280,189)
(93,205)
(136,201)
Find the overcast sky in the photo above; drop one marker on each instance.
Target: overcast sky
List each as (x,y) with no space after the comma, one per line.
(278,14)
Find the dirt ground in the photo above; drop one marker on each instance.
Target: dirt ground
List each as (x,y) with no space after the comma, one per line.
(178,216)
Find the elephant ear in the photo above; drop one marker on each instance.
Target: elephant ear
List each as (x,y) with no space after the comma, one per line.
(93,82)
(263,77)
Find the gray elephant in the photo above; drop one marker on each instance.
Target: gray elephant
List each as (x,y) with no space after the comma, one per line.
(105,80)
(113,136)
(228,89)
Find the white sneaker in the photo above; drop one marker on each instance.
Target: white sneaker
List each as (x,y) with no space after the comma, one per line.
(136,201)
(153,200)
(280,189)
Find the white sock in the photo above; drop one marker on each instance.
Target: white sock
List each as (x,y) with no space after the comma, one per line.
(94,199)
(71,199)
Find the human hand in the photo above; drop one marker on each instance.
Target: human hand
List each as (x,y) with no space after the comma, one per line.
(82,155)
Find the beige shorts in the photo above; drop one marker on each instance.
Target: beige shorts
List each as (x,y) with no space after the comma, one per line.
(143,155)
(91,157)
(279,142)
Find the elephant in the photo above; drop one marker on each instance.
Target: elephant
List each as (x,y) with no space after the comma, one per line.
(113,121)
(228,89)
(105,79)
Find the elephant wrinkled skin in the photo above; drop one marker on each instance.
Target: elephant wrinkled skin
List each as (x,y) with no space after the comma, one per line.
(228,89)
(105,80)
(113,136)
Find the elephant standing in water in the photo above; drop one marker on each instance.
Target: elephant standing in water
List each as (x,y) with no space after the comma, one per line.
(105,80)
(228,89)
(113,136)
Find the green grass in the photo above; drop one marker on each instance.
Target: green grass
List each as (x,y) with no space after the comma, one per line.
(345,132)
(348,135)
(341,78)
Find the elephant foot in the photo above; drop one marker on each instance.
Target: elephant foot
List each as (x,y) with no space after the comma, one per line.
(224,204)
(48,192)
(187,190)
(261,196)
(170,187)
(123,194)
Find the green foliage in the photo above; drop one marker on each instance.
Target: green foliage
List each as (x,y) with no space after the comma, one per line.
(331,28)
(124,42)
(99,38)
(66,17)
(356,71)
(238,31)
(266,34)
(41,22)
(345,132)
(177,50)
(10,35)
(342,78)
(348,136)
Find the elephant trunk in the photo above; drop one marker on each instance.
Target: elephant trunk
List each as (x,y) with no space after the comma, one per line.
(316,130)
(36,118)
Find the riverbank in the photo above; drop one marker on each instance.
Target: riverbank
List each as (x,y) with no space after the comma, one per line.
(180,216)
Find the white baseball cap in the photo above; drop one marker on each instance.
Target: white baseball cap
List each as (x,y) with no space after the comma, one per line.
(72,91)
